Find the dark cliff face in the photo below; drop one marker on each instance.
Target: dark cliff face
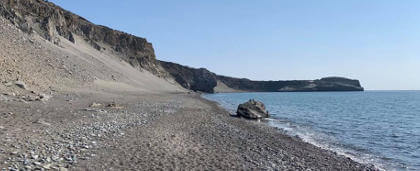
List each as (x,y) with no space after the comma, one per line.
(324,84)
(205,81)
(191,78)
(51,21)
(341,80)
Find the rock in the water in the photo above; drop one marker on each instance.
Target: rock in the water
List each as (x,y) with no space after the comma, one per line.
(21,84)
(252,110)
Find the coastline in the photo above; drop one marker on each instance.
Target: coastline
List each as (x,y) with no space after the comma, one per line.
(302,135)
(297,139)
(150,131)
(115,106)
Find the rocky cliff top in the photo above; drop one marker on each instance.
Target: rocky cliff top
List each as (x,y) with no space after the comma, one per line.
(206,81)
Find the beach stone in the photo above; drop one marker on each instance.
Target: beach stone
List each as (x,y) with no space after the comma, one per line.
(47,166)
(252,110)
(42,122)
(62,169)
(114,106)
(10,94)
(44,97)
(3,98)
(8,84)
(21,84)
(94,104)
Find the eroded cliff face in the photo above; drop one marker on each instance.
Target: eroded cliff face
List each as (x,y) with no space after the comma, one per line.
(51,22)
(191,78)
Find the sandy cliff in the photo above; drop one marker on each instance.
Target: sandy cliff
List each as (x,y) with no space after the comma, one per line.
(53,22)
(50,49)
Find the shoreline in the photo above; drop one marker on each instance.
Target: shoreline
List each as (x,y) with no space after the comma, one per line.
(181,131)
(216,104)
(269,122)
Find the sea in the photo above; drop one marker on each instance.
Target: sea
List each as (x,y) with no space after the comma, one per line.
(371,127)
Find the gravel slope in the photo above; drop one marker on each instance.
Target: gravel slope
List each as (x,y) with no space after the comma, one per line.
(45,67)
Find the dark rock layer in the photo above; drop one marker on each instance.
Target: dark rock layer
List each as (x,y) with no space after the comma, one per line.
(324,84)
(205,81)
(191,78)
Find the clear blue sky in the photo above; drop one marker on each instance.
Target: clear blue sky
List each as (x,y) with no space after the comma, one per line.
(376,41)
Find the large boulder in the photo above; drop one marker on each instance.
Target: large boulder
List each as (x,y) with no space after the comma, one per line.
(252,110)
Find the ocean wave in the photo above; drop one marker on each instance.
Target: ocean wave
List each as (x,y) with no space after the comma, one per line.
(328,143)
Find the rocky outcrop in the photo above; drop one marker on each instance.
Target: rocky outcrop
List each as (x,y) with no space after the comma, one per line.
(206,81)
(51,22)
(252,110)
(324,84)
(191,78)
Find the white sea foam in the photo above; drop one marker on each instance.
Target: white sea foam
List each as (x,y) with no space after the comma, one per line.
(309,136)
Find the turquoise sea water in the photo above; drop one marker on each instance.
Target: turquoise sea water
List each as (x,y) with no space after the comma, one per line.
(376,127)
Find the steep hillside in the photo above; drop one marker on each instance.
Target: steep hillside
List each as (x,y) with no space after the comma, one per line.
(44,67)
(52,22)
